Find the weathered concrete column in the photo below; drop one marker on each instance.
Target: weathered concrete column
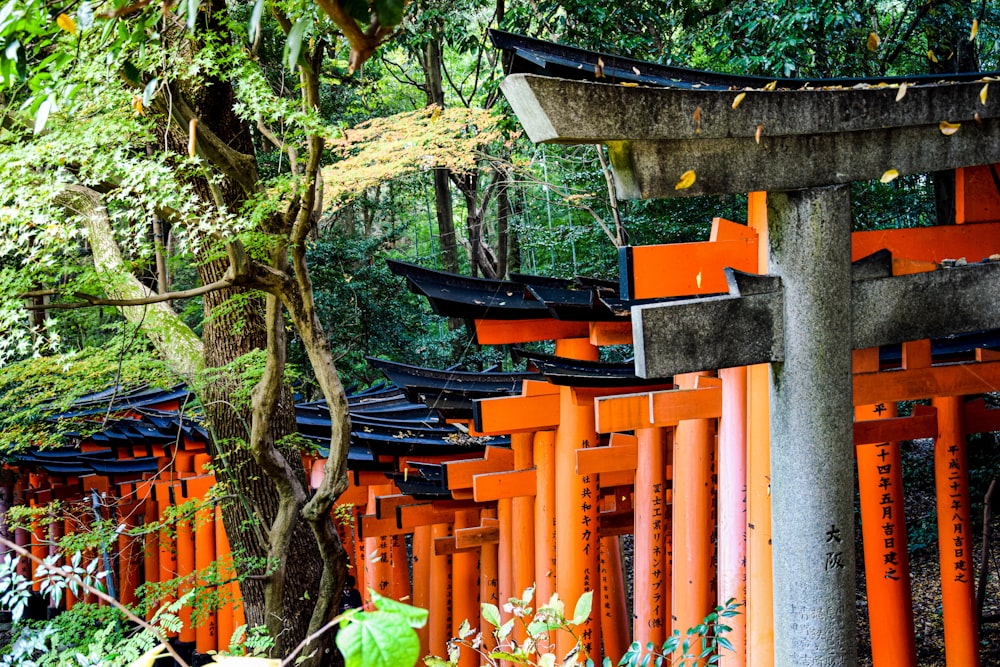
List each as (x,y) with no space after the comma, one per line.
(812,460)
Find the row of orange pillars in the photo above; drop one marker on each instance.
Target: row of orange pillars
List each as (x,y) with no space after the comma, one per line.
(186,544)
(685,469)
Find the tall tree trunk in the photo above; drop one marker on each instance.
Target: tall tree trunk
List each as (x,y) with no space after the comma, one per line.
(503,225)
(431,63)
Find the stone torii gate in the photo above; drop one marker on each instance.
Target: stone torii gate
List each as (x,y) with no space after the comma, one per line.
(803,147)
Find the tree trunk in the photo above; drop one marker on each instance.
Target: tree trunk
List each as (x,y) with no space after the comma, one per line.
(431,63)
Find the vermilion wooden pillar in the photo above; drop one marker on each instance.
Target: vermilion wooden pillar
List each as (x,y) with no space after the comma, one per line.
(523,508)
(732,504)
(488,582)
(692,523)
(651,569)
(401,589)
(378,553)
(577,546)
(129,554)
(545,517)
(958,595)
(204,551)
(22,537)
(166,542)
(614,622)
(185,570)
(56,534)
(465,588)
(226,618)
(439,619)
(423,551)
(883,526)
(151,552)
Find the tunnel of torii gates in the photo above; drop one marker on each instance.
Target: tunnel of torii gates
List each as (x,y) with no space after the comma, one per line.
(769,363)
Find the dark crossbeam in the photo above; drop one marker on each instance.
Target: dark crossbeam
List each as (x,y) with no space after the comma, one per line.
(807,138)
(747,326)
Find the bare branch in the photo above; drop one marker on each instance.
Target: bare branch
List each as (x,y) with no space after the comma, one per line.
(89,300)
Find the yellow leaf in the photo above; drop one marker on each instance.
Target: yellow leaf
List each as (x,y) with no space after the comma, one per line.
(599,68)
(630,84)
(66,23)
(246,661)
(901,93)
(697,120)
(760,131)
(193,137)
(948,129)
(983,92)
(148,658)
(137,103)
(771,86)
(974,31)
(697,279)
(686,181)
(738,100)
(930,55)
(873,41)
(889,176)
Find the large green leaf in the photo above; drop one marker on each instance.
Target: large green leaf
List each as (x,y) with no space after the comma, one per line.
(415,616)
(294,42)
(379,639)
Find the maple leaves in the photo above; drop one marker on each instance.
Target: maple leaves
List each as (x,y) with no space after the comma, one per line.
(385,148)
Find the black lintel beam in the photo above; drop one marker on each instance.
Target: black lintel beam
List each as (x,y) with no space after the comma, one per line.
(745,327)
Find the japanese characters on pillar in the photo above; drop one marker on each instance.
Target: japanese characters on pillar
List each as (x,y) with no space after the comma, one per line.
(958,520)
(889,501)
(658,564)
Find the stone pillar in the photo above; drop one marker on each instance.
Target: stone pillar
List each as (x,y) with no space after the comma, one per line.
(812,457)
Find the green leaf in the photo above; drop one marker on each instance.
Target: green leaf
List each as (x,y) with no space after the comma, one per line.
(132,72)
(147,93)
(492,614)
(415,616)
(255,16)
(294,42)
(583,606)
(42,115)
(509,657)
(390,12)
(378,639)
(192,13)
(505,630)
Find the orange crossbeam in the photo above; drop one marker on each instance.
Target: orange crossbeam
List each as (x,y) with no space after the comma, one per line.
(917,383)
(930,243)
(877,431)
(611,333)
(659,408)
(515,414)
(509,332)
(682,269)
(606,459)
(494,486)
(460,473)
(488,532)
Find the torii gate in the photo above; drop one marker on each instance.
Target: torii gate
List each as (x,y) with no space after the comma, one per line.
(803,147)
